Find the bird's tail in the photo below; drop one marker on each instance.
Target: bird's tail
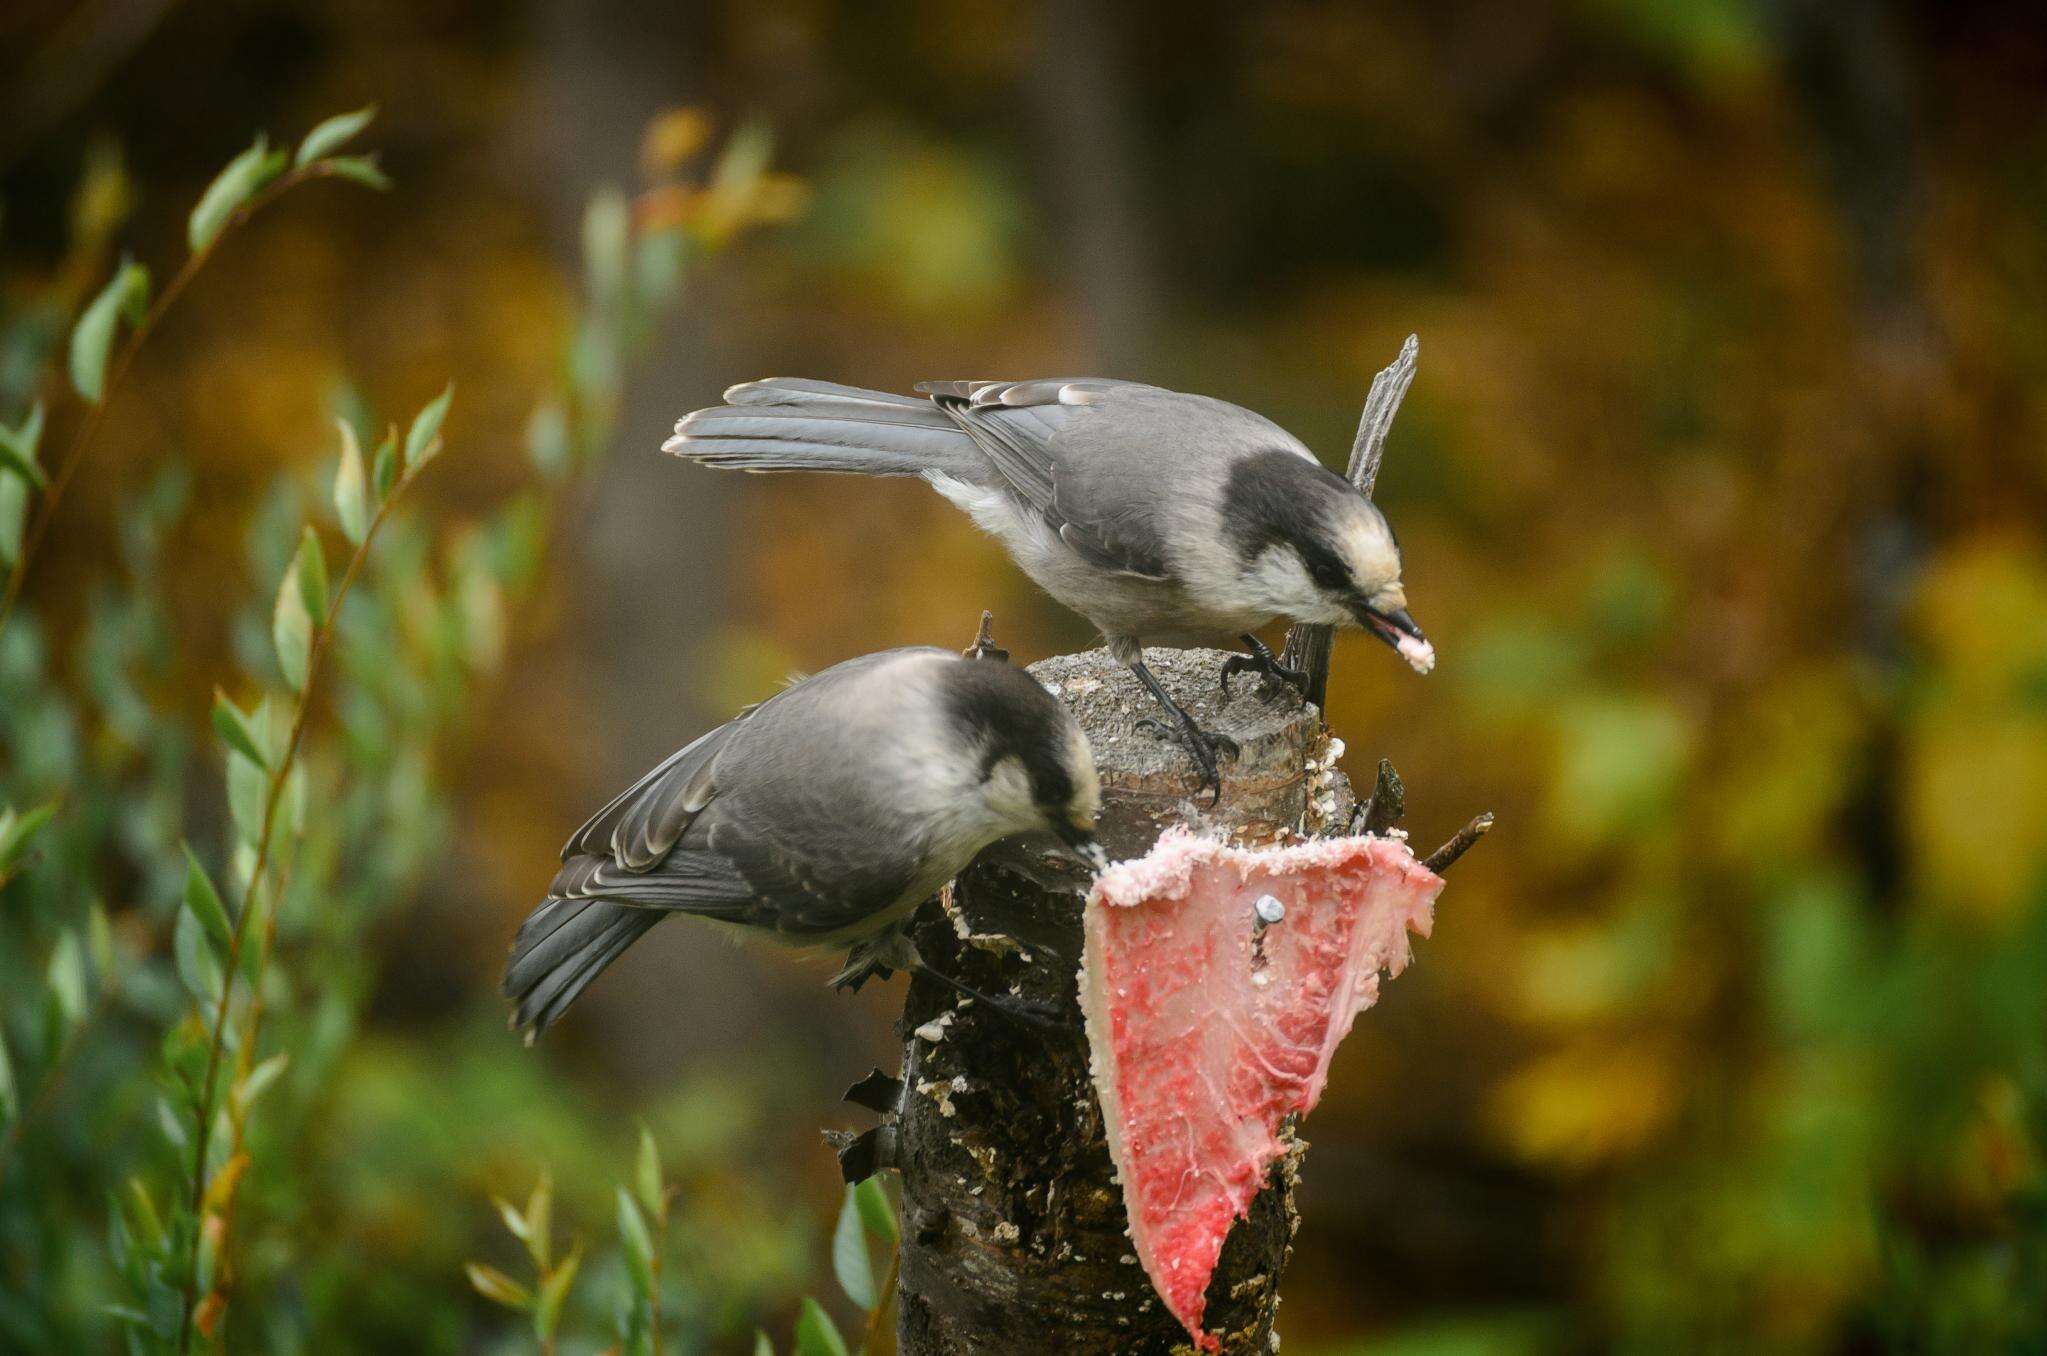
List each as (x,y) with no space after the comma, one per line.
(561,947)
(794,424)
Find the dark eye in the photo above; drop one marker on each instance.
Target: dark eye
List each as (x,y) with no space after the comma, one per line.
(1327,571)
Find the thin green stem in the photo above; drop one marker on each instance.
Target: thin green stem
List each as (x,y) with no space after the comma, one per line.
(96,414)
(881,1323)
(273,795)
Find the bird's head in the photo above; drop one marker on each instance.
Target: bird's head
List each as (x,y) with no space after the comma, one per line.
(1315,550)
(1035,772)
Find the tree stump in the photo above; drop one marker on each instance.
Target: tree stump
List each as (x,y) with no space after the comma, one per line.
(1013,1224)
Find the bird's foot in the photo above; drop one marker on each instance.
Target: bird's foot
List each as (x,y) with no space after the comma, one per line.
(1035,1013)
(1201,745)
(1266,664)
(1031,1012)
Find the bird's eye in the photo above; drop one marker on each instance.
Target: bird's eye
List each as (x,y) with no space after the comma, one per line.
(1328,573)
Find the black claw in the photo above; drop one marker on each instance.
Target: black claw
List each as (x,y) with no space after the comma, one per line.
(1201,745)
(1266,664)
(1030,1012)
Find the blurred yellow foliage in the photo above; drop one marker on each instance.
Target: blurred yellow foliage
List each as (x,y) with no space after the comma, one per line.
(1581,1106)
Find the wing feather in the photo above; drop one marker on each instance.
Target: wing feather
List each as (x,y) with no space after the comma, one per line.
(1017,424)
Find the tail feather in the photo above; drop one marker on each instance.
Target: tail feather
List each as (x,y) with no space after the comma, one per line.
(562,946)
(809,391)
(795,424)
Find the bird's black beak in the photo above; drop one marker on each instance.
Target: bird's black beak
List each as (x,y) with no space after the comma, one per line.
(1398,630)
(1080,845)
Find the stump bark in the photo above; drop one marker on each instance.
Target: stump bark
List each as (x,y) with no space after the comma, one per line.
(1014,1235)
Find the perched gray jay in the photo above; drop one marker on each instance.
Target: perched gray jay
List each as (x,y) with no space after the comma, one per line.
(1162,518)
(822,817)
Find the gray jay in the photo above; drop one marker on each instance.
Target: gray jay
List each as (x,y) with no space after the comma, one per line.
(1162,518)
(822,817)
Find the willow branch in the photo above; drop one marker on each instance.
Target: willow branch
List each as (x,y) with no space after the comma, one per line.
(96,413)
(323,634)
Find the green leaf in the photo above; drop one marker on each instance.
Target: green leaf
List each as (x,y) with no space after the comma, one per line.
(205,903)
(260,1079)
(647,1176)
(312,569)
(540,1220)
(761,1345)
(270,722)
(147,1221)
(639,1245)
(258,905)
(13,516)
(384,468)
(248,786)
(291,629)
(333,134)
(875,1211)
(850,1262)
(99,939)
(359,169)
(18,447)
(9,1099)
(16,830)
(547,439)
(816,1335)
(423,439)
(351,488)
(607,235)
(233,186)
(198,960)
(514,1221)
(67,978)
(547,1310)
(92,339)
(234,729)
(494,1285)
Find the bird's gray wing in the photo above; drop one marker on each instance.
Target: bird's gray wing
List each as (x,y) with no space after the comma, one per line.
(1017,424)
(811,818)
(766,819)
(643,822)
(749,824)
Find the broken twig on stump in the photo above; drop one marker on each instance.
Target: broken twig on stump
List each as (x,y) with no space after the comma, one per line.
(1308,647)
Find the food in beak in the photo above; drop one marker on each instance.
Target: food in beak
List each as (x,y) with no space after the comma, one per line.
(1419,654)
(1398,630)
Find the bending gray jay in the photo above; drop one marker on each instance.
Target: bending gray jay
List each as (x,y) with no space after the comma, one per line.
(821,817)
(1162,518)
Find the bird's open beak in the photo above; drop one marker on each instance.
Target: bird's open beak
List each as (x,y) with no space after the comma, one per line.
(1398,629)
(1081,845)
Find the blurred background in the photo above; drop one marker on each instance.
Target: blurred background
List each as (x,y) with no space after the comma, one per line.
(1722,488)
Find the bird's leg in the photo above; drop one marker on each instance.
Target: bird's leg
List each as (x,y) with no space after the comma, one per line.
(1028,1012)
(1202,745)
(1264,661)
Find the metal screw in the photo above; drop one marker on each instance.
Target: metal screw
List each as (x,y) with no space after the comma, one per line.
(1269,909)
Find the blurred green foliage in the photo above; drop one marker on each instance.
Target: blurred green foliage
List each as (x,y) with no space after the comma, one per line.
(197,1136)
